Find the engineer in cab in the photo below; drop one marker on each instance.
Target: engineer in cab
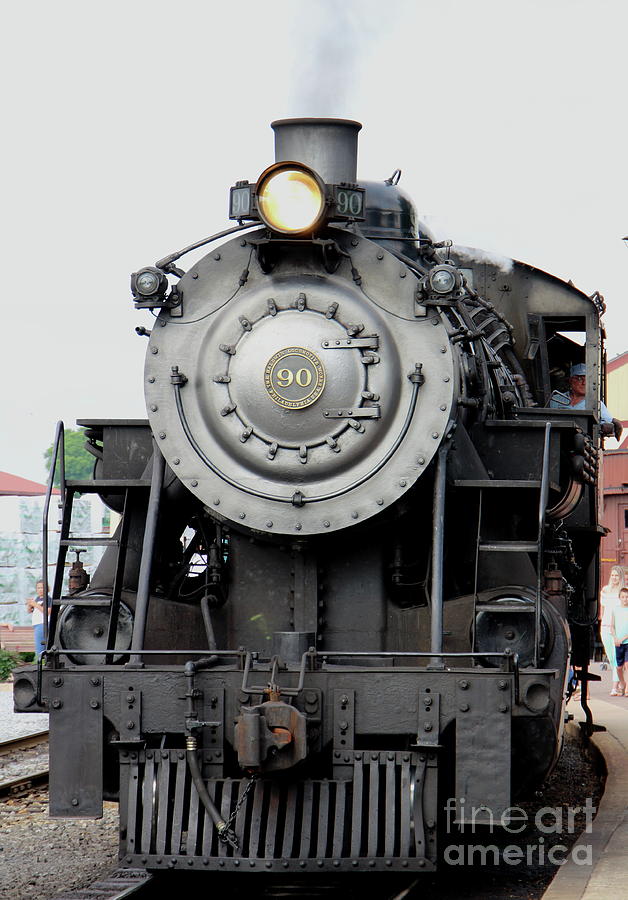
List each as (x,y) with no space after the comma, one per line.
(574,398)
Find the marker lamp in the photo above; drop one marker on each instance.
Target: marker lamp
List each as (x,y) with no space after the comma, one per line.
(443,279)
(290,199)
(149,282)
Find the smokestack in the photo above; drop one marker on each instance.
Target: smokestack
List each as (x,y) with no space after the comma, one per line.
(329,146)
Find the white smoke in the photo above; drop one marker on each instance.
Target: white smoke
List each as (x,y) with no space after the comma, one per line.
(336,41)
(505,263)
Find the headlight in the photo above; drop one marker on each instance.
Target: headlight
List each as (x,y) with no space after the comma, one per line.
(290,198)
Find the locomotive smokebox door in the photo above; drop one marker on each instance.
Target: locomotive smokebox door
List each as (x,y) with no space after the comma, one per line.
(295,408)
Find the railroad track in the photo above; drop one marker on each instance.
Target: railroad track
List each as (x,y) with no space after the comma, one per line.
(119,884)
(123,883)
(12,787)
(24,742)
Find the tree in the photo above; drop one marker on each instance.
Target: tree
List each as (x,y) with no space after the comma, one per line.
(79,464)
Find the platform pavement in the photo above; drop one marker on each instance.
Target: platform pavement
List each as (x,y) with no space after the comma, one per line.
(608,875)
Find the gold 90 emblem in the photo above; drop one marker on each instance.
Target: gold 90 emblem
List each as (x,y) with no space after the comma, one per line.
(294,378)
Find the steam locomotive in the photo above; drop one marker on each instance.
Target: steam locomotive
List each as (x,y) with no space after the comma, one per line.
(357,550)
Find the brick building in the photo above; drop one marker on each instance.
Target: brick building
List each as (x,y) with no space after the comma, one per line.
(615,471)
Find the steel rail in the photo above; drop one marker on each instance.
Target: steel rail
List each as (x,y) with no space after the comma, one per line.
(117,885)
(23,742)
(23,783)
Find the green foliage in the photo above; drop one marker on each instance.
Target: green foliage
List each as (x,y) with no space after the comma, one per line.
(8,661)
(79,464)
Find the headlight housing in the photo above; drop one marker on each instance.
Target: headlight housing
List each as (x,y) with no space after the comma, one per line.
(148,282)
(291,198)
(444,279)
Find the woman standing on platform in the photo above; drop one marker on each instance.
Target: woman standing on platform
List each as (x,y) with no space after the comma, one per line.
(35,606)
(609,600)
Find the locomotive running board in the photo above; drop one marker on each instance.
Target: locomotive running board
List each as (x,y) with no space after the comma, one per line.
(381,818)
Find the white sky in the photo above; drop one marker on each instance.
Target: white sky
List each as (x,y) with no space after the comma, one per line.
(126,123)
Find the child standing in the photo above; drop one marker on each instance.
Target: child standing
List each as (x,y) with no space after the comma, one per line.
(619,630)
(609,599)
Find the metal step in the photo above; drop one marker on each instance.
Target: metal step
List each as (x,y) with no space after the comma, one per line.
(495,483)
(92,541)
(510,547)
(96,601)
(505,607)
(97,485)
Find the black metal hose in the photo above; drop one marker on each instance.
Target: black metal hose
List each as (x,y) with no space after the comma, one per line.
(226,834)
(191,721)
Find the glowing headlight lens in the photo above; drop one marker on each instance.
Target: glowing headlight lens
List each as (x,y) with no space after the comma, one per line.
(290,200)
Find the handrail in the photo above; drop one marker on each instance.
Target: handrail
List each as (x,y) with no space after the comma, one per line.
(58,451)
(148,548)
(438,550)
(544,493)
